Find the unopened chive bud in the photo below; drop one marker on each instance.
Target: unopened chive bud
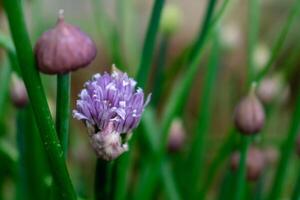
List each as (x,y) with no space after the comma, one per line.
(64,48)
(171,19)
(261,56)
(111,106)
(272,88)
(18,93)
(176,136)
(255,163)
(249,114)
(230,36)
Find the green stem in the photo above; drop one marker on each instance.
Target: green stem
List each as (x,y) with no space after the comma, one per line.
(226,186)
(38,100)
(149,42)
(253,21)
(63,110)
(280,40)
(287,150)
(4,81)
(123,164)
(31,164)
(103,179)
(204,29)
(241,175)
(204,117)
(158,75)
(296,192)
(223,153)
(178,97)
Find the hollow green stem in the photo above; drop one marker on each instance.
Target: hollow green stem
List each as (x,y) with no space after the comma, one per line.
(296,192)
(253,21)
(287,150)
(223,153)
(158,75)
(241,175)
(32,164)
(178,97)
(123,165)
(149,42)
(204,29)
(4,82)
(226,186)
(155,166)
(281,39)
(37,98)
(103,179)
(63,110)
(204,117)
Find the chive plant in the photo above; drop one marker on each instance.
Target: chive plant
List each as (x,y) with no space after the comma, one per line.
(129,137)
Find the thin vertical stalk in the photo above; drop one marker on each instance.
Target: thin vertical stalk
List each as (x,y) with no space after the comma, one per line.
(37,98)
(241,174)
(226,185)
(204,29)
(296,192)
(281,39)
(179,96)
(123,175)
(149,42)
(196,154)
(158,75)
(63,110)
(253,21)
(223,153)
(286,152)
(31,164)
(4,81)
(103,179)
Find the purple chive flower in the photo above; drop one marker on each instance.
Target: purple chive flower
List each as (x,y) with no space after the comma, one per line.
(110,106)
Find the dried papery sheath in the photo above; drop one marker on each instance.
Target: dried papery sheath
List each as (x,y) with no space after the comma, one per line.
(64,48)
(111,107)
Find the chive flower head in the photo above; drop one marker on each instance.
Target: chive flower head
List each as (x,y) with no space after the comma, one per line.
(111,106)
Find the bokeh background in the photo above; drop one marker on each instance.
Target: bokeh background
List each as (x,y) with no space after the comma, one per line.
(118,28)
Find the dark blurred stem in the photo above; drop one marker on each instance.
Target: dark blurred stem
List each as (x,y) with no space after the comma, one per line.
(280,39)
(217,161)
(259,187)
(287,150)
(122,166)
(103,188)
(253,21)
(63,109)
(159,72)
(149,43)
(241,175)
(203,122)
(296,192)
(63,92)
(4,82)
(226,185)
(32,166)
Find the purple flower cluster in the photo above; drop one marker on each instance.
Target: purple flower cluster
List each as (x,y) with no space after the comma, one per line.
(110,105)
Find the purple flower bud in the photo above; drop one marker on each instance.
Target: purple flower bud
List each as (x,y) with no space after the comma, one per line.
(176,136)
(18,93)
(64,48)
(110,105)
